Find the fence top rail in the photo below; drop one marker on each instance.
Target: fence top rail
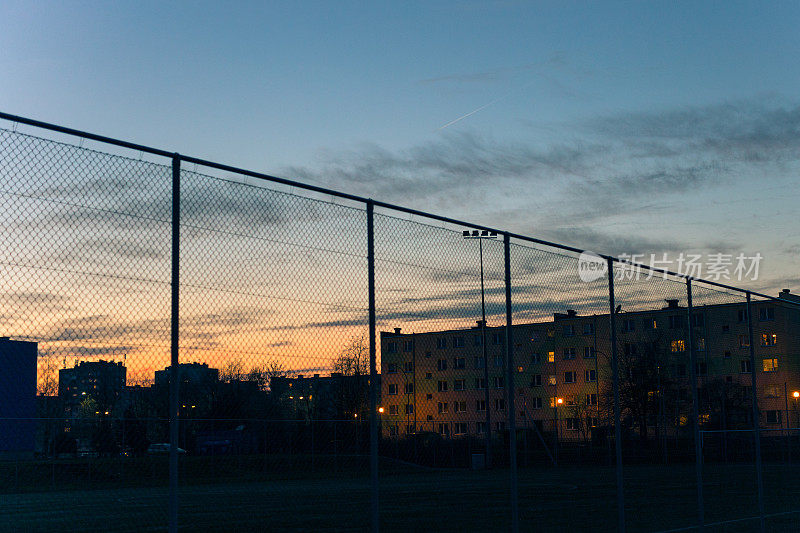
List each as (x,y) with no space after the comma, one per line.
(323,190)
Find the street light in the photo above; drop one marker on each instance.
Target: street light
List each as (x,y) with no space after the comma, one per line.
(480,236)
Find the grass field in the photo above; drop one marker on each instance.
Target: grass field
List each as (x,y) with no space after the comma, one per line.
(412,499)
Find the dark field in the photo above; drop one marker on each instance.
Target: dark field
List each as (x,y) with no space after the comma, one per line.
(242,494)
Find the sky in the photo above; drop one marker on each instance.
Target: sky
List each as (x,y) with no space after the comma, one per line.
(619,127)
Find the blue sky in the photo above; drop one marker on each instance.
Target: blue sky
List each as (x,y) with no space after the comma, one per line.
(618,126)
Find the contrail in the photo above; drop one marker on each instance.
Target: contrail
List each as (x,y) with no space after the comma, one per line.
(484,106)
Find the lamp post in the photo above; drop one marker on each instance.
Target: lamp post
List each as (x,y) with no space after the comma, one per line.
(480,236)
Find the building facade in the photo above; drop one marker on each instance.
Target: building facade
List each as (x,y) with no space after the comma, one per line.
(17,396)
(434,381)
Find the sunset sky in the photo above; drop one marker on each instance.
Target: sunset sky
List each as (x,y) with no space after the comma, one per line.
(618,127)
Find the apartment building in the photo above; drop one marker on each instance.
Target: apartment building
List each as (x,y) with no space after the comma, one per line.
(434,381)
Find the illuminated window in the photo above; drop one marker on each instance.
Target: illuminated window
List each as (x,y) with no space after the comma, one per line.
(520,369)
(770,365)
(551,357)
(769,339)
(678,346)
(552,380)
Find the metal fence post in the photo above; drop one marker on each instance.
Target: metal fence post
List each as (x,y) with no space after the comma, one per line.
(174,379)
(512,412)
(698,450)
(615,377)
(373,371)
(756,419)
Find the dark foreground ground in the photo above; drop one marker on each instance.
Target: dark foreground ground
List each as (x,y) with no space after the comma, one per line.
(411,499)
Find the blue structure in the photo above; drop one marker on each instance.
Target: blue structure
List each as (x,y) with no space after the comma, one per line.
(17,396)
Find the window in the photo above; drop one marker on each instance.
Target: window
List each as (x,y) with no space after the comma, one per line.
(499,404)
(460,428)
(572,424)
(477,340)
(458,342)
(591,376)
(698,320)
(480,362)
(392,409)
(773,417)
(744,341)
(772,391)
(444,429)
(428,375)
(676,321)
(742,315)
(391,347)
(591,421)
(429,417)
(408,346)
(536,402)
(497,338)
(499,426)
(770,365)
(589,352)
(553,401)
(569,377)
(520,369)
(727,354)
(569,353)
(460,363)
(392,431)
(591,399)
(769,339)
(744,366)
(409,388)
(480,427)
(391,368)
(393,388)
(498,382)
(441,364)
(569,330)
(408,366)
(628,325)
(653,323)
(459,384)
(536,380)
(441,343)
(442,407)
(442,386)
(701,344)
(409,408)
(551,357)
(480,383)
(552,380)
(427,354)
(766,313)
(588,328)
(429,396)
(480,405)
(460,407)
(701,369)
(677,346)
(536,358)
(410,430)
(498,361)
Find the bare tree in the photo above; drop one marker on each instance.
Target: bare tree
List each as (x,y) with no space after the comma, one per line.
(353,360)
(232,370)
(48,377)
(262,374)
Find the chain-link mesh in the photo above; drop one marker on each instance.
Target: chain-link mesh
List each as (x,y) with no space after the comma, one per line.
(84,301)
(274,368)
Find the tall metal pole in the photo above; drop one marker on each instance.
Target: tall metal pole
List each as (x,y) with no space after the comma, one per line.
(615,377)
(698,450)
(756,420)
(512,414)
(373,370)
(174,377)
(488,431)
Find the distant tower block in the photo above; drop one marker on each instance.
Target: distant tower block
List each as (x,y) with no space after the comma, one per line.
(17,397)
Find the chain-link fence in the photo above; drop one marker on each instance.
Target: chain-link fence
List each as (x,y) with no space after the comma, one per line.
(190,345)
